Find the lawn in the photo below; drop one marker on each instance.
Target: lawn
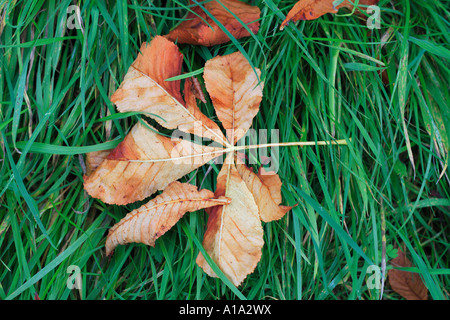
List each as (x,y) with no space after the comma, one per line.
(384,91)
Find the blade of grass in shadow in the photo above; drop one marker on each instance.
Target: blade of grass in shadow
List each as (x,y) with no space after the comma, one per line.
(60,258)
(24,193)
(343,235)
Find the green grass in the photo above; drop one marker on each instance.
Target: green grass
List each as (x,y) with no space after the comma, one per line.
(331,78)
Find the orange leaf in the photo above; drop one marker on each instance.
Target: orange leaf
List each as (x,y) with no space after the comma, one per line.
(203,127)
(117,180)
(313,9)
(200,29)
(408,284)
(234,234)
(152,220)
(144,89)
(266,190)
(144,84)
(233,237)
(235,92)
(146,161)
(94,159)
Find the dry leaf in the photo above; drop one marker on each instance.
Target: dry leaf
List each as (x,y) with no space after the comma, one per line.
(313,9)
(94,159)
(196,89)
(144,89)
(200,29)
(203,127)
(144,86)
(235,92)
(146,161)
(120,181)
(266,190)
(152,220)
(234,235)
(407,284)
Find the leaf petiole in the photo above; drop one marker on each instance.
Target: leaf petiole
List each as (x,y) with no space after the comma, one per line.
(255,146)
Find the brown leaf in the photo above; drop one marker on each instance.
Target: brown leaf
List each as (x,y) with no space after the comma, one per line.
(266,190)
(197,90)
(235,92)
(313,9)
(200,29)
(146,161)
(144,84)
(120,181)
(234,235)
(152,220)
(94,159)
(204,127)
(144,89)
(408,284)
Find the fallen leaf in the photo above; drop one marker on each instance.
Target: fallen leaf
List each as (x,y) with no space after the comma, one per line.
(266,190)
(313,9)
(203,127)
(153,219)
(407,284)
(144,89)
(197,90)
(200,29)
(146,161)
(144,85)
(94,159)
(235,92)
(234,234)
(117,180)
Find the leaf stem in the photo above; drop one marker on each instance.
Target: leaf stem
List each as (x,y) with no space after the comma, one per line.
(254,146)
